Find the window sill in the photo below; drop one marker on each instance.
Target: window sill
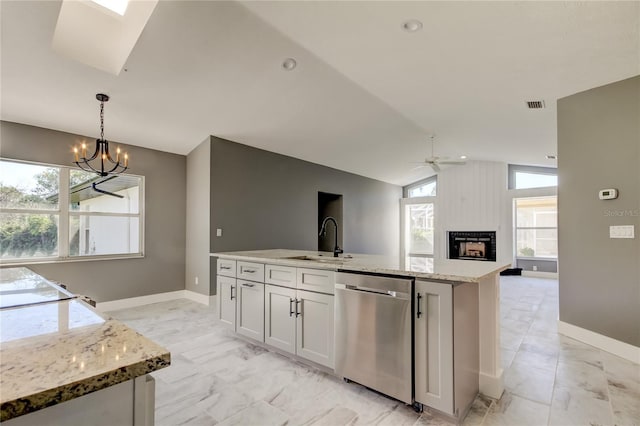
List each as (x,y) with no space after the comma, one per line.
(25,262)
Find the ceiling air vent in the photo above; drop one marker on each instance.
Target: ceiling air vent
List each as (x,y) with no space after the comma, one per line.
(535,104)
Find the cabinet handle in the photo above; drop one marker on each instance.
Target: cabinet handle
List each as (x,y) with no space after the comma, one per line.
(248,271)
(225,267)
(232,288)
(418,305)
(290,307)
(298,313)
(247,285)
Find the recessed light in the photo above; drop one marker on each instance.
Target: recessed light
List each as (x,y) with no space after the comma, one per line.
(412,25)
(289,64)
(463,157)
(552,157)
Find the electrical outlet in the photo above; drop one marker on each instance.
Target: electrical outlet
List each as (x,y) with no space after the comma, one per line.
(196,280)
(535,267)
(219,232)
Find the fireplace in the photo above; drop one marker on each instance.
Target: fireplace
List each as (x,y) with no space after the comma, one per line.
(472,245)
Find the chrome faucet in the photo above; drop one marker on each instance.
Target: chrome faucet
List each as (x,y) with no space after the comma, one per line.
(323,231)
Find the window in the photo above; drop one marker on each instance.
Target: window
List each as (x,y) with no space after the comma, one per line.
(524,177)
(536,227)
(418,234)
(423,188)
(58,213)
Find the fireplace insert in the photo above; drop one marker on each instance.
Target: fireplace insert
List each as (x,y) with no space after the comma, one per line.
(472,245)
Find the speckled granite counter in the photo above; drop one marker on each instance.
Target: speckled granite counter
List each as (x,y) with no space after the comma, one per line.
(54,350)
(446,270)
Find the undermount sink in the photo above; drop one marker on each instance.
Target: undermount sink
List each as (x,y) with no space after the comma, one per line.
(319,258)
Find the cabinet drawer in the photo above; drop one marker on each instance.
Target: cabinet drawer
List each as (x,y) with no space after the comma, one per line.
(316,280)
(250,271)
(226,267)
(280,275)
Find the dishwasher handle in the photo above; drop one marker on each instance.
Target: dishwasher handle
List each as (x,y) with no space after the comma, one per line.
(375,291)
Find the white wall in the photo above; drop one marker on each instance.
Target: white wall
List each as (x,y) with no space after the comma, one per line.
(474,197)
(198,211)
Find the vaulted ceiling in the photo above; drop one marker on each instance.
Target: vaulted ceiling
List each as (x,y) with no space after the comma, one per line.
(365,94)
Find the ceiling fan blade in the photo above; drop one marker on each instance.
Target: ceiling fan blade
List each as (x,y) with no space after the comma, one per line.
(456,163)
(435,167)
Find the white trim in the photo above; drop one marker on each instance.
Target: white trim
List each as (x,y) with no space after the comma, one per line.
(132,302)
(540,274)
(199,297)
(491,386)
(616,347)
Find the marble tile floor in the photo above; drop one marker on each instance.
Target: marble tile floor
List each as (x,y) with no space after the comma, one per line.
(219,379)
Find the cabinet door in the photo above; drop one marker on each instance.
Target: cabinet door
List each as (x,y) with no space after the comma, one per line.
(315,335)
(434,345)
(250,310)
(280,318)
(227,301)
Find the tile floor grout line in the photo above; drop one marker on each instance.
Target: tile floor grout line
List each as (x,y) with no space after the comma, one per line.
(553,390)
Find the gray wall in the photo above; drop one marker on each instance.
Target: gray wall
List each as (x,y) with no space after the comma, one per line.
(264,200)
(598,148)
(198,194)
(163,267)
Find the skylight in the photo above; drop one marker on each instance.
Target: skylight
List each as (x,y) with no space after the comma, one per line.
(117,6)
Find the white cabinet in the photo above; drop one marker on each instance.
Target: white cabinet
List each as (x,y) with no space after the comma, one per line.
(250,271)
(226,267)
(282,306)
(227,301)
(446,316)
(434,345)
(279,317)
(319,280)
(280,275)
(250,309)
(300,322)
(315,334)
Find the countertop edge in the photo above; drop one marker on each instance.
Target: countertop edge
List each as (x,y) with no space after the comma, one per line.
(347,268)
(50,397)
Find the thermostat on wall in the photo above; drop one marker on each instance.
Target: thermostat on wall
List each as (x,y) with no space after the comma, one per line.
(608,194)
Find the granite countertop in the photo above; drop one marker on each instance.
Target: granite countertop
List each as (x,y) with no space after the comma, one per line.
(21,286)
(53,351)
(446,270)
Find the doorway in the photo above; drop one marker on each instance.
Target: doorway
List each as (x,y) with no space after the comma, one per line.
(329,205)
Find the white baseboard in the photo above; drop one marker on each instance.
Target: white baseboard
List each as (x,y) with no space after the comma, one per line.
(132,302)
(198,297)
(491,386)
(616,347)
(540,274)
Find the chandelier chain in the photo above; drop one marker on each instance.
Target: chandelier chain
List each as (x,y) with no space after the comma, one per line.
(101,120)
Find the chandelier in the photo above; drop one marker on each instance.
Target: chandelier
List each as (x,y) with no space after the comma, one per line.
(106,165)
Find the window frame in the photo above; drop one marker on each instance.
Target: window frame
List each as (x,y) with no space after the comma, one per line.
(64,214)
(404,254)
(422,182)
(516,228)
(538,170)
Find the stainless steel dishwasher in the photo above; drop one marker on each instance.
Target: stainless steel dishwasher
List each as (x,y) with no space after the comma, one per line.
(373,333)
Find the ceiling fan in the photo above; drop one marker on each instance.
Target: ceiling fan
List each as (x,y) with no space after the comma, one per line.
(435,162)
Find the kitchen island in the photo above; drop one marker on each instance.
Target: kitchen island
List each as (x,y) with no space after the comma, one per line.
(453,272)
(62,362)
